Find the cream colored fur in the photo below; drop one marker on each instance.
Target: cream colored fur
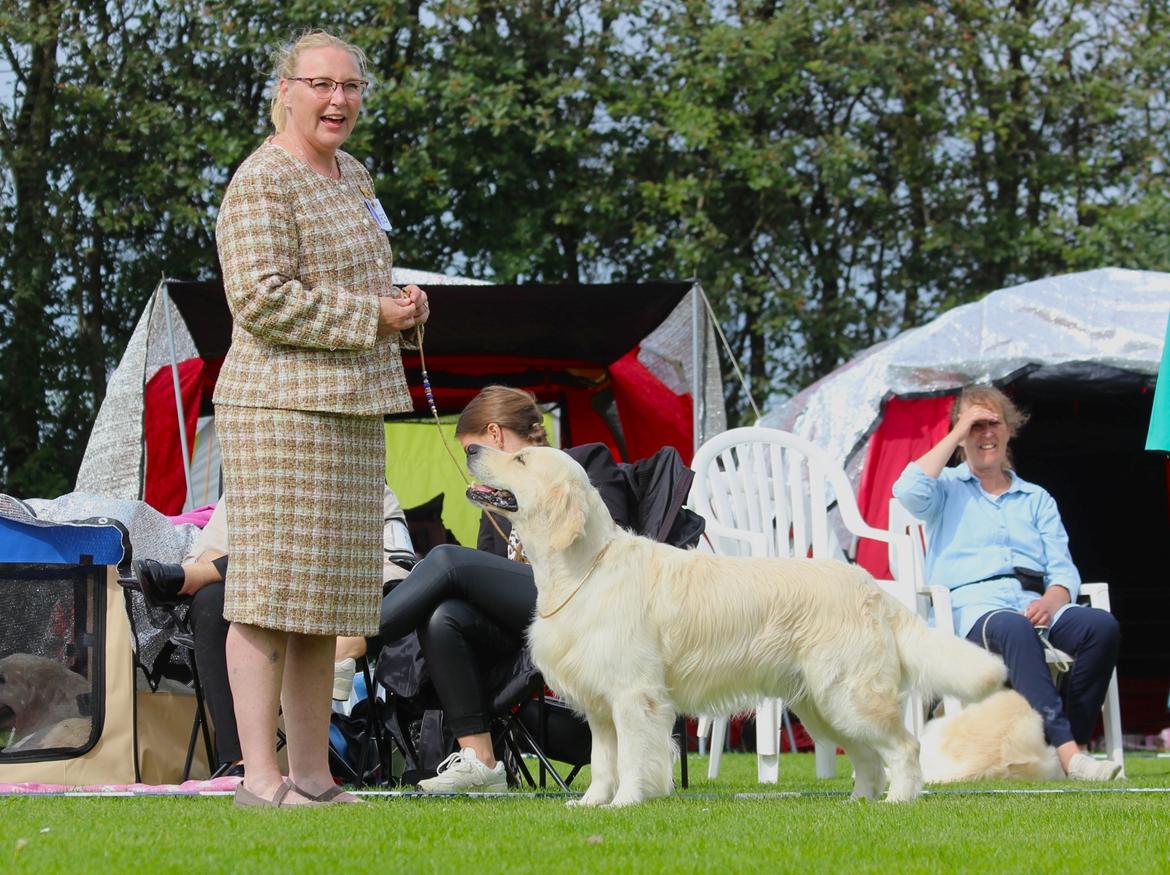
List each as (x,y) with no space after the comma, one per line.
(1000,737)
(654,631)
(41,695)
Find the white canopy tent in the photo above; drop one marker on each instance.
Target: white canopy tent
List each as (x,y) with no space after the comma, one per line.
(1110,318)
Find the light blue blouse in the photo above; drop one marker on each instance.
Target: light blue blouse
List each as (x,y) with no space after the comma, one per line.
(976,540)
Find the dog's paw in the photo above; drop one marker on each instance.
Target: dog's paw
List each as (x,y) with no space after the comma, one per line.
(905,796)
(905,787)
(625,800)
(590,798)
(583,803)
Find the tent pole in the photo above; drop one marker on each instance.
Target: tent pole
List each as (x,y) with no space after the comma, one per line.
(178,393)
(698,367)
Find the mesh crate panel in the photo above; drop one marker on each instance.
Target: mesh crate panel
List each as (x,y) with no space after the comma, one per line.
(50,665)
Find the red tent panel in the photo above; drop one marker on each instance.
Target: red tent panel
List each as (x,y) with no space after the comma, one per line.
(909,427)
(652,415)
(166,486)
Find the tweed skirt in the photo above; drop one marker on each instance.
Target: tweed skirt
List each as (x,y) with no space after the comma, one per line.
(304,516)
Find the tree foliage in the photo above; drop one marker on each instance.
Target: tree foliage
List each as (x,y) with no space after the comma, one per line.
(832,172)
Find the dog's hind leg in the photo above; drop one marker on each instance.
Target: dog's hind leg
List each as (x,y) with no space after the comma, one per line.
(899,750)
(643,720)
(602,762)
(869,778)
(866,712)
(877,725)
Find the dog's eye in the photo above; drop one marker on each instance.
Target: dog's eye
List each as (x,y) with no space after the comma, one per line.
(520,459)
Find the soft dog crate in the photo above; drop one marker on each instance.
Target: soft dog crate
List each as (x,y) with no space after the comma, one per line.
(70,712)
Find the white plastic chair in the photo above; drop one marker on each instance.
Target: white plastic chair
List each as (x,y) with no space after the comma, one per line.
(913,566)
(768,493)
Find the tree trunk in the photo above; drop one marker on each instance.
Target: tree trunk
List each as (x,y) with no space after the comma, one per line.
(24,391)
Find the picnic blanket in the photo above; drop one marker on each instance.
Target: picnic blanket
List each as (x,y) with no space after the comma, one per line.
(187,788)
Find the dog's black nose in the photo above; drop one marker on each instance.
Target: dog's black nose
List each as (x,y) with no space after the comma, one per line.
(472,449)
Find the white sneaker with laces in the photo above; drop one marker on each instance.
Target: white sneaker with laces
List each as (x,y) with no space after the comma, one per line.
(1083,767)
(343,673)
(462,772)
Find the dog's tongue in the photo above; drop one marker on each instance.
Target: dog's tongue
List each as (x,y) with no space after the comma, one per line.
(500,498)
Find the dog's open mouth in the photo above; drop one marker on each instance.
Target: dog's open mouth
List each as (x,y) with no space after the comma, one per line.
(7,718)
(501,499)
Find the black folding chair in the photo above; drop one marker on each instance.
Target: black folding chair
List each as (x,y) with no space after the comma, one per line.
(529,721)
(182,640)
(375,752)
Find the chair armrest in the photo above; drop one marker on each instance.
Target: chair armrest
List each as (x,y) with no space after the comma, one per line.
(757,542)
(1096,594)
(867,531)
(944,620)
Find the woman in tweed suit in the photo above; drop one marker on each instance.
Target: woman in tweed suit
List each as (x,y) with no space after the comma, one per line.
(314,364)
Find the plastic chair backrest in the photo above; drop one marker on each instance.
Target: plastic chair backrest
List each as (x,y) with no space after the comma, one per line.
(766,492)
(901,520)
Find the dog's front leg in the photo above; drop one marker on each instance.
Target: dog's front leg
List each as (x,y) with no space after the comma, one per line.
(643,721)
(602,762)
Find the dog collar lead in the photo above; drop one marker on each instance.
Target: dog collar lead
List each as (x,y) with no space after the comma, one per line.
(580,584)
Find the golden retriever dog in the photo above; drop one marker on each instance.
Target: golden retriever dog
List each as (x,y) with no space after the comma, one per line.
(38,702)
(632,632)
(1000,737)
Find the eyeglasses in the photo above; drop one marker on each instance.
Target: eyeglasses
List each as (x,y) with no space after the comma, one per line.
(324,87)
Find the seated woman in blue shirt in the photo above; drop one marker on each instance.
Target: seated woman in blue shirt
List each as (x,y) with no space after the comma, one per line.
(997,542)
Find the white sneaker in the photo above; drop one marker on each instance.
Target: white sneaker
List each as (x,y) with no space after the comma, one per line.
(462,772)
(343,673)
(1083,767)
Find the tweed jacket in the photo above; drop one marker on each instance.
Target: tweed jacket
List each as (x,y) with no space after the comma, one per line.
(303,265)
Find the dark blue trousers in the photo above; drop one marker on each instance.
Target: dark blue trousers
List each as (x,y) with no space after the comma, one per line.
(1089,635)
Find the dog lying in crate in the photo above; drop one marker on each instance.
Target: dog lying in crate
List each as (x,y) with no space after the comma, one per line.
(41,704)
(631,631)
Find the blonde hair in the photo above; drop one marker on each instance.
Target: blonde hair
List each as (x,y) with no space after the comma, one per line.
(989,396)
(284,65)
(509,408)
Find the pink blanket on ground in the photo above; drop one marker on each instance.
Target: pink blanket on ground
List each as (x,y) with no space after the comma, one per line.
(187,788)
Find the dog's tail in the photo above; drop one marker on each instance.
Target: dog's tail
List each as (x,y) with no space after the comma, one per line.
(938,663)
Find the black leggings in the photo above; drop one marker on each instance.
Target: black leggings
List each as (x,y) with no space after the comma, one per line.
(210,631)
(471,610)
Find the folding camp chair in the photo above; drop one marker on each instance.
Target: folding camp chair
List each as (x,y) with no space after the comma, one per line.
(374,757)
(182,640)
(530,721)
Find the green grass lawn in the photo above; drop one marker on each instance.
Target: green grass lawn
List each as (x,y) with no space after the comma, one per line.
(962,828)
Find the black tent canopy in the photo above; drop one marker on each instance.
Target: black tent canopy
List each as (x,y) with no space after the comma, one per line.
(591,325)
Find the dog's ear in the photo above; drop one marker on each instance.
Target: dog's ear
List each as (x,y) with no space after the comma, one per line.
(565,520)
